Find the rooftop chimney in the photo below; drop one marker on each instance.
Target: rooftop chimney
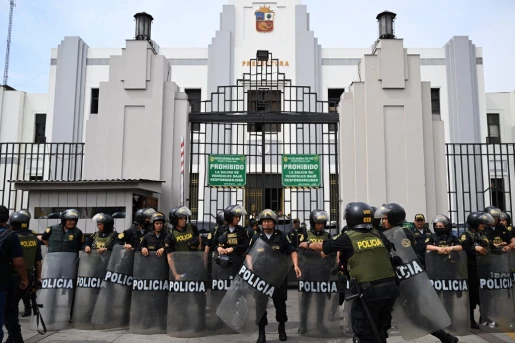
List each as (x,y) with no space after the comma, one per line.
(386,30)
(143,25)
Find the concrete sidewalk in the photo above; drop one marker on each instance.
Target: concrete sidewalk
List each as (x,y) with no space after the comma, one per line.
(118,336)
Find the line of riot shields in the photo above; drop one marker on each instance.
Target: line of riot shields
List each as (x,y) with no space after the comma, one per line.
(124,289)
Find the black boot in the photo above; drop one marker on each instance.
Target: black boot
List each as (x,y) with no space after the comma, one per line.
(14,339)
(262,336)
(282,332)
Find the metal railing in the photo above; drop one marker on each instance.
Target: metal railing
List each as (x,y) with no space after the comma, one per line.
(36,162)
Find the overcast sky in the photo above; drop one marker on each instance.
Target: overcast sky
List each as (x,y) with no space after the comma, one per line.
(39,25)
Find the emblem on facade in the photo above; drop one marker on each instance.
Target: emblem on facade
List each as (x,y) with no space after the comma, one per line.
(264,19)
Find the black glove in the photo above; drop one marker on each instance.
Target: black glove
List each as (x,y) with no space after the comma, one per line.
(396,261)
(223,260)
(193,243)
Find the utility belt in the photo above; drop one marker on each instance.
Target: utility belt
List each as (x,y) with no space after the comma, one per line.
(375,290)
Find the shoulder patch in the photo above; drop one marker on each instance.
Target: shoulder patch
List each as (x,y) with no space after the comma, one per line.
(120,236)
(82,239)
(209,236)
(48,230)
(427,240)
(34,232)
(463,238)
(509,228)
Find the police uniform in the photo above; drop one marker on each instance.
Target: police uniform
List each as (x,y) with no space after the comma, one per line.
(469,240)
(421,241)
(60,240)
(178,240)
(238,239)
(296,236)
(11,249)
(133,236)
(31,254)
(498,234)
(212,237)
(153,242)
(280,242)
(443,241)
(323,273)
(100,240)
(365,252)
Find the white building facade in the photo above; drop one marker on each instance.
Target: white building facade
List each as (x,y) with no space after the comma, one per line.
(441,88)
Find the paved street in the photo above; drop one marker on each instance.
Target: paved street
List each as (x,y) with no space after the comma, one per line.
(119,336)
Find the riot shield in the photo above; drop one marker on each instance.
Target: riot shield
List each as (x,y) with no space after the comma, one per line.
(58,286)
(495,290)
(318,295)
(114,300)
(512,268)
(187,296)
(222,276)
(418,310)
(149,294)
(449,276)
(259,277)
(92,270)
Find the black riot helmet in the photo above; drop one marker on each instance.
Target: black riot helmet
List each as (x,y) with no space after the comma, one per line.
(178,212)
(358,215)
(494,212)
(220,218)
(26,212)
(505,216)
(473,220)
(143,215)
(376,222)
(70,214)
(19,221)
(267,214)
(232,211)
(394,212)
(105,219)
(445,221)
(318,216)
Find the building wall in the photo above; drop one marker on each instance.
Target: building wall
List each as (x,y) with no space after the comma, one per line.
(17,114)
(381,145)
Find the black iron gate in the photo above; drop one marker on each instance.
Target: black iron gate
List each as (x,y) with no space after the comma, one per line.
(264,117)
(479,175)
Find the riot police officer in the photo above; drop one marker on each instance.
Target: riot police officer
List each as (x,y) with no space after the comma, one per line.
(280,242)
(211,241)
(317,220)
(19,222)
(392,215)
(104,238)
(66,236)
(422,236)
(443,242)
(183,235)
(500,237)
(297,233)
(155,239)
(234,238)
(505,220)
(132,237)
(475,243)
(365,251)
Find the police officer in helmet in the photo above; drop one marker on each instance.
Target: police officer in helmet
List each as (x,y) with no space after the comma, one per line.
(66,236)
(19,223)
(475,243)
(211,242)
(280,242)
(505,220)
(317,219)
(132,237)
(365,252)
(234,238)
(500,237)
(155,239)
(185,234)
(104,238)
(443,242)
